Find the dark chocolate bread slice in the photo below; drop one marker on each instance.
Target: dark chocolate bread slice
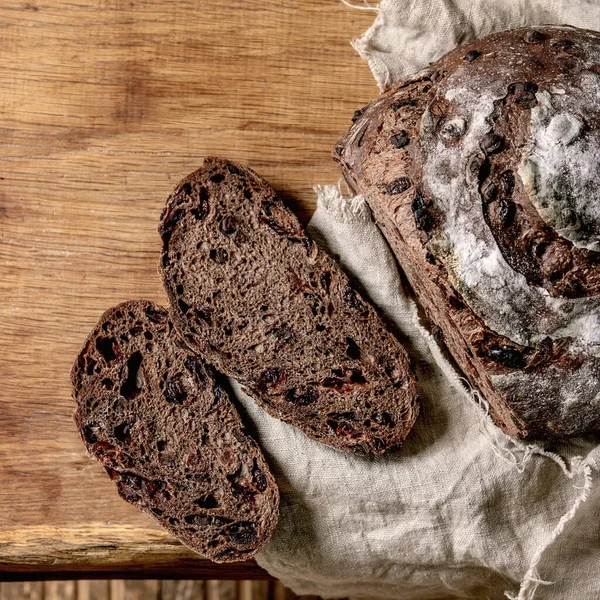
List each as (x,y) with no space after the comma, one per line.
(151,412)
(265,305)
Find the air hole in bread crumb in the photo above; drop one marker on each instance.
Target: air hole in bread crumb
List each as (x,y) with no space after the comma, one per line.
(132,385)
(352,349)
(208,502)
(121,432)
(90,433)
(184,307)
(106,347)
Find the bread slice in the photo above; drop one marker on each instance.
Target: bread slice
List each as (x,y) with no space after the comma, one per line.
(257,297)
(152,413)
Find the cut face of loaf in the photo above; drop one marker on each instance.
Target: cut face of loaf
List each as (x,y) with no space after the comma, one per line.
(482,173)
(259,299)
(152,413)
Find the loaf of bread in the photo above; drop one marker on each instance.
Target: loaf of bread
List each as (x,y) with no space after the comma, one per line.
(254,295)
(483,172)
(152,413)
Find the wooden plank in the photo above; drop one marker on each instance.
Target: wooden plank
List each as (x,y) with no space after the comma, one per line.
(280,592)
(60,590)
(100,548)
(22,591)
(244,590)
(92,590)
(124,589)
(221,590)
(105,105)
(260,589)
(227,590)
(212,590)
(182,590)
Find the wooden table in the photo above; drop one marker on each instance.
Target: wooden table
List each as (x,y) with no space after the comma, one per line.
(105,105)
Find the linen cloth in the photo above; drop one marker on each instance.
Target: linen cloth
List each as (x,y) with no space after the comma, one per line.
(407,35)
(462,510)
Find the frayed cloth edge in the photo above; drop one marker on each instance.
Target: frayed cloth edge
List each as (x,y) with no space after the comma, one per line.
(342,208)
(531,582)
(362,45)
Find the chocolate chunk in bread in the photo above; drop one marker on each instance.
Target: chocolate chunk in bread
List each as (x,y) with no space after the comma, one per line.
(258,298)
(151,411)
(499,231)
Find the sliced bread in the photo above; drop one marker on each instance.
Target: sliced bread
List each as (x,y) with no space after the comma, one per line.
(257,297)
(152,412)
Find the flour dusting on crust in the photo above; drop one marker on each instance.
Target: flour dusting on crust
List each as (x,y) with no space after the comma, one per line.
(558,167)
(484,174)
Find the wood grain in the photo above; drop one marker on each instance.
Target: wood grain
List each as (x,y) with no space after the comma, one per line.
(121,550)
(105,105)
(260,589)
(221,590)
(121,589)
(183,590)
(244,591)
(148,590)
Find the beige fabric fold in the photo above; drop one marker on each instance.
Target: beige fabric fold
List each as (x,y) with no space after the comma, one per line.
(407,35)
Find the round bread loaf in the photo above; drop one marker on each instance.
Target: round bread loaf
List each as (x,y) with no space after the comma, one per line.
(484,173)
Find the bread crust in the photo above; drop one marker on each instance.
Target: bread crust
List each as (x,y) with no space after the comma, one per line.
(480,172)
